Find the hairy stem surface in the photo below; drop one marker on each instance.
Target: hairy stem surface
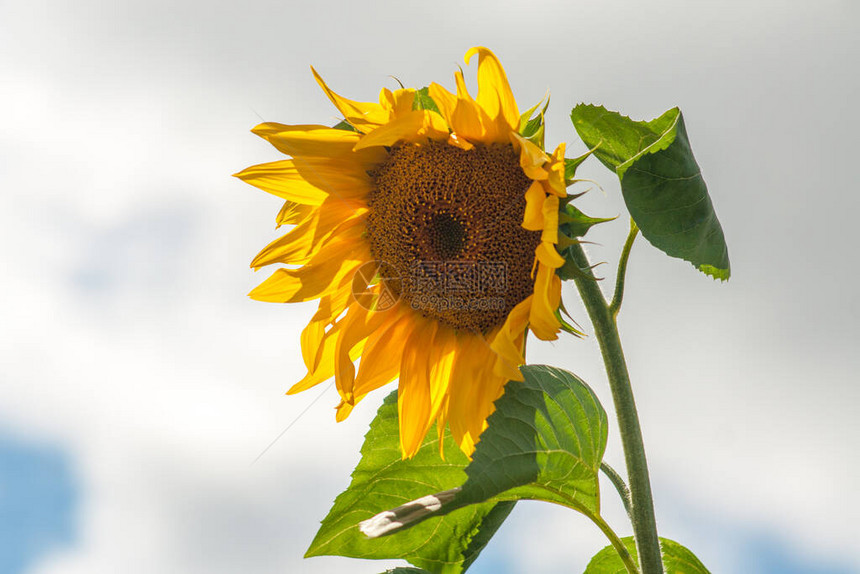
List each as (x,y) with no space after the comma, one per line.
(606,331)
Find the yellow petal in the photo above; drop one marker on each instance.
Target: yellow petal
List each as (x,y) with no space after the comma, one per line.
(312,335)
(380,362)
(299,245)
(494,91)
(321,276)
(474,388)
(281,178)
(325,360)
(472,362)
(413,393)
(532,158)
(398,102)
(533,219)
(409,127)
(550,220)
(547,296)
(441,423)
(358,325)
(462,91)
(460,143)
(344,178)
(507,341)
(343,411)
(556,172)
(330,308)
(547,255)
(308,140)
(445,101)
(364,116)
(292,213)
(466,116)
(441,362)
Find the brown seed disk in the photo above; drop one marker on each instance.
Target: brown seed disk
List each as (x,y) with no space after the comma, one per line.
(447,222)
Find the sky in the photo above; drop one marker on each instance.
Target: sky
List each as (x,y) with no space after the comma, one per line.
(138,383)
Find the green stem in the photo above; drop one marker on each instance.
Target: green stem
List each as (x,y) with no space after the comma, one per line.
(606,330)
(616,542)
(615,306)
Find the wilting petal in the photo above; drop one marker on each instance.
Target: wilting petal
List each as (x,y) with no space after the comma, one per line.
(547,296)
(550,219)
(494,91)
(547,255)
(364,116)
(533,218)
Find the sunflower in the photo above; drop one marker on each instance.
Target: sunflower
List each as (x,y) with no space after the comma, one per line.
(426,225)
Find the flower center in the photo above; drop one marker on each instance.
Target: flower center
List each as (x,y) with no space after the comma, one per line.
(446,235)
(447,223)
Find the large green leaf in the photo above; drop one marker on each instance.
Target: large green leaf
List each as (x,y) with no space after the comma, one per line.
(544,441)
(447,544)
(661,183)
(676,559)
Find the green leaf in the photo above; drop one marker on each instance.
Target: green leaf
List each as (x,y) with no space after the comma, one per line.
(423,101)
(544,441)
(402,570)
(676,559)
(446,544)
(661,183)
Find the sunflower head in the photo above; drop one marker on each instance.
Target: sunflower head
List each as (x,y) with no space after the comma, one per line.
(426,225)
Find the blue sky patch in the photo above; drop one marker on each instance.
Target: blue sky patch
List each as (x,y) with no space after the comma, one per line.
(37,503)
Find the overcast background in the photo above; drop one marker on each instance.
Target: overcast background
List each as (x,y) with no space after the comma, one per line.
(138,383)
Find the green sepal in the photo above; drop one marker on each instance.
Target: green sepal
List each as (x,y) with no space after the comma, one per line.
(423,101)
(564,242)
(661,183)
(565,326)
(676,559)
(526,116)
(574,223)
(345,126)
(570,165)
(570,197)
(533,128)
(534,131)
(571,270)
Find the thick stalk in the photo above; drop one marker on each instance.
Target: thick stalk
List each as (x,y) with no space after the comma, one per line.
(606,330)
